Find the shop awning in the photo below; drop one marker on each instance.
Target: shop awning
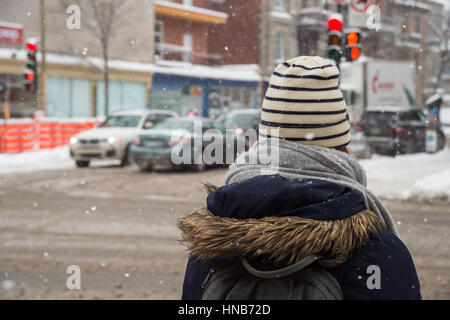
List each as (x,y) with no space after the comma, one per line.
(187,12)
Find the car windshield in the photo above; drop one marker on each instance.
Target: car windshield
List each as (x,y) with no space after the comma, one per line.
(121,121)
(175,124)
(240,120)
(382,117)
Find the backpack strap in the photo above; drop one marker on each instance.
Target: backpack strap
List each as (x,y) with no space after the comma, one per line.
(280,272)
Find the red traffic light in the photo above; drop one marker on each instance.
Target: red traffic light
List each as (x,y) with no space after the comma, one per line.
(30,76)
(354,54)
(335,24)
(31,46)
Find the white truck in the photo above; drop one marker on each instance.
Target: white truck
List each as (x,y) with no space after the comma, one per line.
(369,83)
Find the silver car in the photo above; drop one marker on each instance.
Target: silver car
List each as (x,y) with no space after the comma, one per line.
(112,138)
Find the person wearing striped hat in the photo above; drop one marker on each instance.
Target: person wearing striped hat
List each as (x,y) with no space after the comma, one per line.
(312,206)
(304,104)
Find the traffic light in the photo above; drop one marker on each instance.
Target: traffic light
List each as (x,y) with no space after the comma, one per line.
(353,46)
(335,38)
(30,74)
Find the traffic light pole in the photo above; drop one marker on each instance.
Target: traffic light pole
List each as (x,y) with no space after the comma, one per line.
(42,70)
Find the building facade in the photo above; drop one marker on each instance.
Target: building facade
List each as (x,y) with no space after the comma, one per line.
(73,84)
(409,30)
(196,58)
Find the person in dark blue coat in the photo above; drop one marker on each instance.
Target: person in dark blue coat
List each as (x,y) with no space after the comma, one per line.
(313,201)
(324,202)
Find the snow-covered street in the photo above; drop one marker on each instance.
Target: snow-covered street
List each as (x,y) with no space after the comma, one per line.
(119,225)
(422,177)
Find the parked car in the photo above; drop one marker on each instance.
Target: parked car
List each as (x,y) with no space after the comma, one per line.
(394,130)
(156,146)
(241,120)
(112,138)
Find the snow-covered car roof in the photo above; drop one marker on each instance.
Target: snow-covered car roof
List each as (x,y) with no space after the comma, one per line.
(389,109)
(143,111)
(243,111)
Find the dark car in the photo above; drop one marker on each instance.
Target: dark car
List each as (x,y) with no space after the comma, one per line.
(191,138)
(239,121)
(394,131)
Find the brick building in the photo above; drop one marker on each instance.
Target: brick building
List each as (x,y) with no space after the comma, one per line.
(192,34)
(182,30)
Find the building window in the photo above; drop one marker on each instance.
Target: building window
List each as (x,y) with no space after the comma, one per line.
(123,95)
(278,4)
(417,25)
(159,39)
(281,44)
(68,97)
(293,6)
(187,48)
(292,48)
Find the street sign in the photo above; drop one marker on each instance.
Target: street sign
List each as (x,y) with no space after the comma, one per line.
(11,32)
(360,5)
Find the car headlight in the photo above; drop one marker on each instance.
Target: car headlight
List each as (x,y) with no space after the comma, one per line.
(113,140)
(73,140)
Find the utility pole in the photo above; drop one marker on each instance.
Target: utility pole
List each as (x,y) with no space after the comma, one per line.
(419,67)
(42,92)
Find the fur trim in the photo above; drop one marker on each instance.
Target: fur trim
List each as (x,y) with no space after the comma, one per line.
(279,239)
(209,187)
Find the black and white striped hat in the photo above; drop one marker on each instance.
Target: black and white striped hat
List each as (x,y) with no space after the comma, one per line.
(304,104)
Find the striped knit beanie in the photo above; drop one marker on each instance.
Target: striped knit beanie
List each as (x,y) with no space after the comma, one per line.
(304,104)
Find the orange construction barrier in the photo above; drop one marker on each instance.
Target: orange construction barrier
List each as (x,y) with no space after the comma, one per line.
(19,135)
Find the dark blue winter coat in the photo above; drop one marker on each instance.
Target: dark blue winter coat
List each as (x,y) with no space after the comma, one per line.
(319,200)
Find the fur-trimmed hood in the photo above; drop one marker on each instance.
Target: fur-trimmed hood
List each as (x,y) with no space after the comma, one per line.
(278,239)
(304,220)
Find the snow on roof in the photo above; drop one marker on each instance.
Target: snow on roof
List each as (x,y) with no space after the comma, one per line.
(11,25)
(413,4)
(283,15)
(192,8)
(242,72)
(231,72)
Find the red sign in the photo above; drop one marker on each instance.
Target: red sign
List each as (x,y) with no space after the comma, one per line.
(378,85)
(361,5)
(11,33)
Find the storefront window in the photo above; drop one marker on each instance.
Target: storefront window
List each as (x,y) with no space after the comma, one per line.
(122,96)
(223,99)
(68,97)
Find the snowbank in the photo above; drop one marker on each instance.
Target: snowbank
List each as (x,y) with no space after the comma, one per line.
(58,158)
(419,176)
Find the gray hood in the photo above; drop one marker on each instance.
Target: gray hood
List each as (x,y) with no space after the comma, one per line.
(294,160)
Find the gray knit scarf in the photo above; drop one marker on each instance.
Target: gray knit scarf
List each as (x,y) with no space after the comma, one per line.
(294,160)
